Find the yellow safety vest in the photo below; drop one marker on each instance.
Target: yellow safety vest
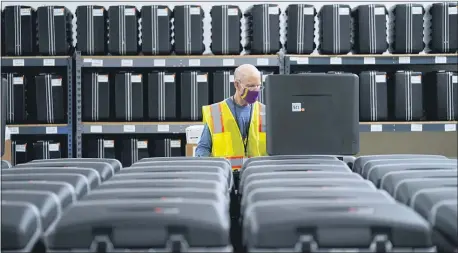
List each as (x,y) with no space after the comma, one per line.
(226,137)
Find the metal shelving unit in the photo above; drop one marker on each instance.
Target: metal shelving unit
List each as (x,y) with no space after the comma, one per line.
(46,129)
(304,60)
(203,61)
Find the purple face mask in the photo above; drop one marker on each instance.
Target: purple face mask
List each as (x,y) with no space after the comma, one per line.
(250,96)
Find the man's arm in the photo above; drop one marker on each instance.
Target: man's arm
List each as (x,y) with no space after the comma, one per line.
(204,147)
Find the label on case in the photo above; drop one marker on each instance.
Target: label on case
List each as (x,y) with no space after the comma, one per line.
(14,130)
(194,11)
(136,78)
(335,60)
(273,10)
(56,82)
(452,10)
(26,12)
(231,78)
(18,62)
(18,80)
(415,79)
(142,144)
(175,144)
(416,127)
(201,78)
(129,12)
(129,128)
(344,11)
(108,144)
(54,147)
(379,11)
(163,128)
(159,63)
(450,127)
(59,12)
(49,62)
(51,130)
(20,148)
(376,128)
(169,78)
(369,60)
(309,11)
(97,63)
(417,10)
(228,62)
(97,12)
(454,79)
(95,129)
(404,60)
(262,61)
(380,78)
(232,12)
(102,78)
(127,62)
(162,12)
(440,59)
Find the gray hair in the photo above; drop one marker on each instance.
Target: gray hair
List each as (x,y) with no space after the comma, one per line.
(245,70)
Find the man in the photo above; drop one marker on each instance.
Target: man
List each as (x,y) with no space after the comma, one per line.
(235,128)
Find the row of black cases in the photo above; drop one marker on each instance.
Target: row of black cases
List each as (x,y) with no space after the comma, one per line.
(22,151)
(45,31)
(370,29)
(38,101)
(121,35)
(130,150)
(409,103)
(156,98)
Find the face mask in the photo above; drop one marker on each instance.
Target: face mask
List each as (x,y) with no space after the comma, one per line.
(250,96)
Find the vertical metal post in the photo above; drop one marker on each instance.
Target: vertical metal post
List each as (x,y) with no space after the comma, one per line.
(70,107)
(281,63)
(286,64)
(78,105)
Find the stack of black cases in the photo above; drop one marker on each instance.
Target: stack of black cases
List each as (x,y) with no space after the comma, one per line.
(225,30)
(19,152)
(128,96)
(444,27)
(407,33)
(15,98)
(263,29)
(189,30)
(370,28)
(300,30)
(96,102)
(123,36)
(46,150)
(194,94)
(55,30)
(167,147)
(162,96)
(49,98)
(373,96)
(20,35)
(262,95)
(408,96)
(100,148)
(156,30)
(133,150)
(335,29)
(442,100)
(91,30)
(223,85)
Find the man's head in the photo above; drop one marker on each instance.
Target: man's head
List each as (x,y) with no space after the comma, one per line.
(247,82)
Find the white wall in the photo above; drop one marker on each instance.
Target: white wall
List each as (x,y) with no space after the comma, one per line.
(206,5)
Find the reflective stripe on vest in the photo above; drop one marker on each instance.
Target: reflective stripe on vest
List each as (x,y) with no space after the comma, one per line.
(217,116)
(236,162)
